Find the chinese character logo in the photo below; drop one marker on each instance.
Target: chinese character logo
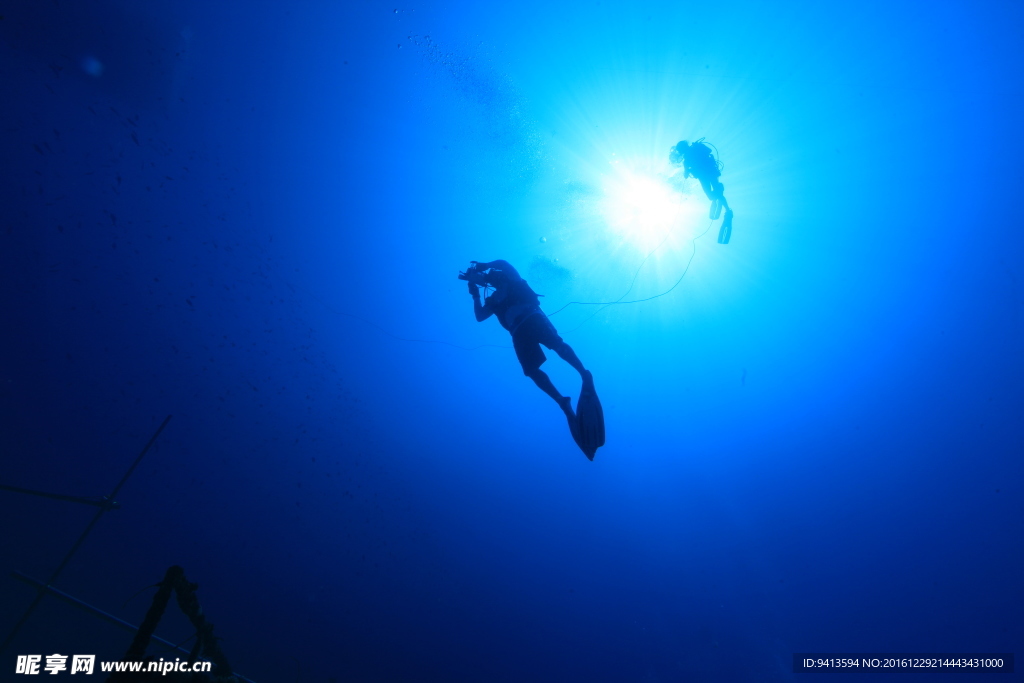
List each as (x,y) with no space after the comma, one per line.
(82,663)
(28,664)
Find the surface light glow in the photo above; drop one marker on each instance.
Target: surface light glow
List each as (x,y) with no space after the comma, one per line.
(644,207)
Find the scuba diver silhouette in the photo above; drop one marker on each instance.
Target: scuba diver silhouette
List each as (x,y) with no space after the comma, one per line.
(518,310)
(697,161)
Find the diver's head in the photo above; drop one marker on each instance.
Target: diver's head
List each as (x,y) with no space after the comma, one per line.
(678,152)
(475,275)
(495,278)
(479,274)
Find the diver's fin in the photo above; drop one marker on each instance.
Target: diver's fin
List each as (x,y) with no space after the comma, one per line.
(589,435)
(725,232)
(716,209)
(566,405)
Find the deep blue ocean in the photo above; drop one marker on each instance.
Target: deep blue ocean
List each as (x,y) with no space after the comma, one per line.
(250,216)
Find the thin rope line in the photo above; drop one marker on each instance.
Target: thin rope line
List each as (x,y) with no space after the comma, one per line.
(631,282)
(605,304)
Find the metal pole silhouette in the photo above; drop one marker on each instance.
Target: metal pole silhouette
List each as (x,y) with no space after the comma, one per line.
(74,549)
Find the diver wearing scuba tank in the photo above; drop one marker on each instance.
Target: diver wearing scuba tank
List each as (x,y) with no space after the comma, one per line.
(698,162)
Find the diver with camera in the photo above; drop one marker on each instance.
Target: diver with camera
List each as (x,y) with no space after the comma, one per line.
(517,308)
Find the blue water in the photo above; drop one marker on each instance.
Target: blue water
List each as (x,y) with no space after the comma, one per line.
(250,216)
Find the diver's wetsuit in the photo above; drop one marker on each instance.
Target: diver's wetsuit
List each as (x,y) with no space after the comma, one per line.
(698,162)
(518,311)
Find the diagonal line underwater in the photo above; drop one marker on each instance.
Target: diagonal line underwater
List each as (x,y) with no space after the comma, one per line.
(602,304)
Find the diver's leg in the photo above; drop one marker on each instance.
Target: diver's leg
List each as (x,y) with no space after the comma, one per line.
(566,353)
(725,232)
(720,191)
(527,343)
(541,379)
(707,186)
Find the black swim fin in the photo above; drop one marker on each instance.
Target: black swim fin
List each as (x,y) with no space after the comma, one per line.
(725,232)
(716,209)
(589,432)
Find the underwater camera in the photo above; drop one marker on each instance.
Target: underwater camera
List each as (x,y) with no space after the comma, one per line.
(474,275)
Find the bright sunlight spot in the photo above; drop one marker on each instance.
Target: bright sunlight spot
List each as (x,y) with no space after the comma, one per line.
(643,208)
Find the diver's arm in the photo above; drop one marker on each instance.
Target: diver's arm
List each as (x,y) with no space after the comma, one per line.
(481,311)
